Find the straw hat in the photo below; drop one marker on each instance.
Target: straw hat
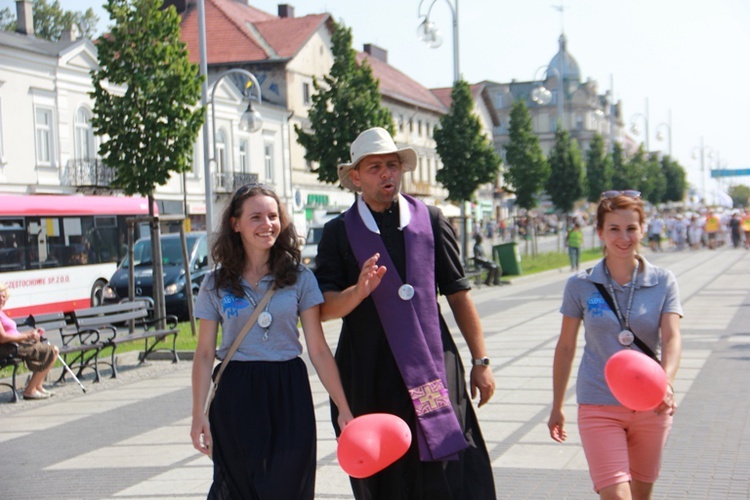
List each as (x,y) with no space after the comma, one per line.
(375,141)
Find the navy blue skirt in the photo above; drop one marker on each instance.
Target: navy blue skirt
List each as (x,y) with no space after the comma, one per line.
(263,428)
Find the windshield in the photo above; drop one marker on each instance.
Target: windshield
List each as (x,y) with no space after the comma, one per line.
(171,251)
(313,235)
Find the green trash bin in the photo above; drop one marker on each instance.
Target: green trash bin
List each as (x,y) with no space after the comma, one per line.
(506,254)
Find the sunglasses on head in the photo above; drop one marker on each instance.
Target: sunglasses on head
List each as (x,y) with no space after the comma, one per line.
(242,191)
(630,193)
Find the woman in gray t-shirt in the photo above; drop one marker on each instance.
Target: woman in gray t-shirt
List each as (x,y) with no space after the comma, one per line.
(623,447)
(262,422)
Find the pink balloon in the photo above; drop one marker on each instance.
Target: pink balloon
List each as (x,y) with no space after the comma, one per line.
(372,442)
(637,381)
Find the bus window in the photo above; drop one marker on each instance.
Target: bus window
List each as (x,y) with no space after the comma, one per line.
(11,245)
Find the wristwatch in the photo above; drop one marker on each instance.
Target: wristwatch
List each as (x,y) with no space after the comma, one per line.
(485,361)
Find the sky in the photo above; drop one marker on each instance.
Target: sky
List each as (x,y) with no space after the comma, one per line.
(683,60)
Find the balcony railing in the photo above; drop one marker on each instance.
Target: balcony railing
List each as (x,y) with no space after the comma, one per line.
(229,182)
(87,173)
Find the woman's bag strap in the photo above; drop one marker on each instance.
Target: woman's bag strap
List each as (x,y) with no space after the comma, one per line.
(236,344)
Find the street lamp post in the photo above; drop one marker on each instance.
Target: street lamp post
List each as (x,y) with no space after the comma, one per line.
(430,34)
(542,95)
(704,151)
(660,134)
(634,126)
(250,121)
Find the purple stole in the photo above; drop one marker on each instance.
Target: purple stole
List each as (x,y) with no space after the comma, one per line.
(412,327)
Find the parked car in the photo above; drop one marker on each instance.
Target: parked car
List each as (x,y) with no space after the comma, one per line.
(175,294)
(310,247)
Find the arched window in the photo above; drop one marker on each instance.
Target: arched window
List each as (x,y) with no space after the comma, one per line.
(84,136)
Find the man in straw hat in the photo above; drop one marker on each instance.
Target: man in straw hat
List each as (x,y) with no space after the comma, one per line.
(379,266)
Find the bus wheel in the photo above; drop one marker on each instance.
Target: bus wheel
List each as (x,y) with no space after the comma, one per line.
(97,293)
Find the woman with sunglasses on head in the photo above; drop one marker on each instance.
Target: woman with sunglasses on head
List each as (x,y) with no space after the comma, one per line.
(623,447)
(261,435)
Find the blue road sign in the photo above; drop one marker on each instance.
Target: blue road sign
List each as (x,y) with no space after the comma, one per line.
(725,172)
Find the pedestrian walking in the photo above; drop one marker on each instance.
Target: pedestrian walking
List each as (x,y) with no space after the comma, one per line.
(262,420)
(623,447)
(380,266)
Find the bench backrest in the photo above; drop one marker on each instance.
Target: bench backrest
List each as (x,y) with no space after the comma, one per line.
(99,316)
(48,322)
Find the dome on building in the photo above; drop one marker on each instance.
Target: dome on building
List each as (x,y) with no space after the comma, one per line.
(570,70)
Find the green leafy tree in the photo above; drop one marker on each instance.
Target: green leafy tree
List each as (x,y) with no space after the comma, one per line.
(598,169)
(740,195)
(527,168)
(145,94)
(469,158)
(654,182)
(50,20)
(151,126)
(631,175)
(344,104)
(565,182)
(676,179)
(620,179)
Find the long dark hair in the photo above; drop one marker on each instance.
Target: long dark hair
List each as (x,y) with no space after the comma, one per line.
(229,255)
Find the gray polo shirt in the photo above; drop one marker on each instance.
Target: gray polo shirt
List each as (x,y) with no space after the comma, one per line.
(656,293)
(283,342)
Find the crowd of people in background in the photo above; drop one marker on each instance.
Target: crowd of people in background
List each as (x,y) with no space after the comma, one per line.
(705,228)
(665,230)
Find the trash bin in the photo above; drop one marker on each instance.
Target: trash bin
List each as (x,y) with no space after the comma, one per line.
(506,254)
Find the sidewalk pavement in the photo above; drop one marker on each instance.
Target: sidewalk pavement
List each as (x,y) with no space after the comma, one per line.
(128,438)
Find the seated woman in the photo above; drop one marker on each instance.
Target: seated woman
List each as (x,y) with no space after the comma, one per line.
(38,356)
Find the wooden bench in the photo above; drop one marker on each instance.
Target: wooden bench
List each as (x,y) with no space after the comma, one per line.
(9,357)
(128,322)
(82,346)
(474,272)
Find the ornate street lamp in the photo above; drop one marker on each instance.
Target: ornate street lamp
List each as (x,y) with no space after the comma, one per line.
(636,130)
(250,121)
(430,34)
(543,96)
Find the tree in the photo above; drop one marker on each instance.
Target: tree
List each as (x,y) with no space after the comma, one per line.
(740,195)
(654,183)
(598,169)
(620,178)
(527,168)
(565,183)
(150,127)
(345,104)
(676,179)
(469,158)
(50,20)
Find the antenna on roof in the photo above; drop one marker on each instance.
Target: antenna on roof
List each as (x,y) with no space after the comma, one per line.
(561,9)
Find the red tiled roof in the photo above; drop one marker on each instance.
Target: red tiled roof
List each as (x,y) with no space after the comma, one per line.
(237,32)
(396,85)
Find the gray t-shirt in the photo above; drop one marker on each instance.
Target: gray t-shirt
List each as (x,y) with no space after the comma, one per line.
(656,293)
(232,313)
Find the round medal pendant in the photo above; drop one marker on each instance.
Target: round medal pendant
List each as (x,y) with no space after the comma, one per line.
(626,338)
(264,319)
(406,292)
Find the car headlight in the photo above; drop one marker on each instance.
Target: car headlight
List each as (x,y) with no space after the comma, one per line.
(174,288)
(109,293)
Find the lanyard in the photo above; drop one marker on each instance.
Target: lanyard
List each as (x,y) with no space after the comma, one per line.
(265,318)
(624,322)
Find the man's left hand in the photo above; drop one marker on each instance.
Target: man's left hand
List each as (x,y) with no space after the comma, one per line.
(482,379)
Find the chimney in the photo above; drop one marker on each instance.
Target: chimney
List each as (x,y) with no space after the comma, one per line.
(377,52)
(71,34)
(286,11)
(25,16)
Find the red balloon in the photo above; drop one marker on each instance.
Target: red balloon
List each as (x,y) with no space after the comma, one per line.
(370,443)
(637,381)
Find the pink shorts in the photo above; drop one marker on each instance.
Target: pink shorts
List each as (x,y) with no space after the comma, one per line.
(621,444)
